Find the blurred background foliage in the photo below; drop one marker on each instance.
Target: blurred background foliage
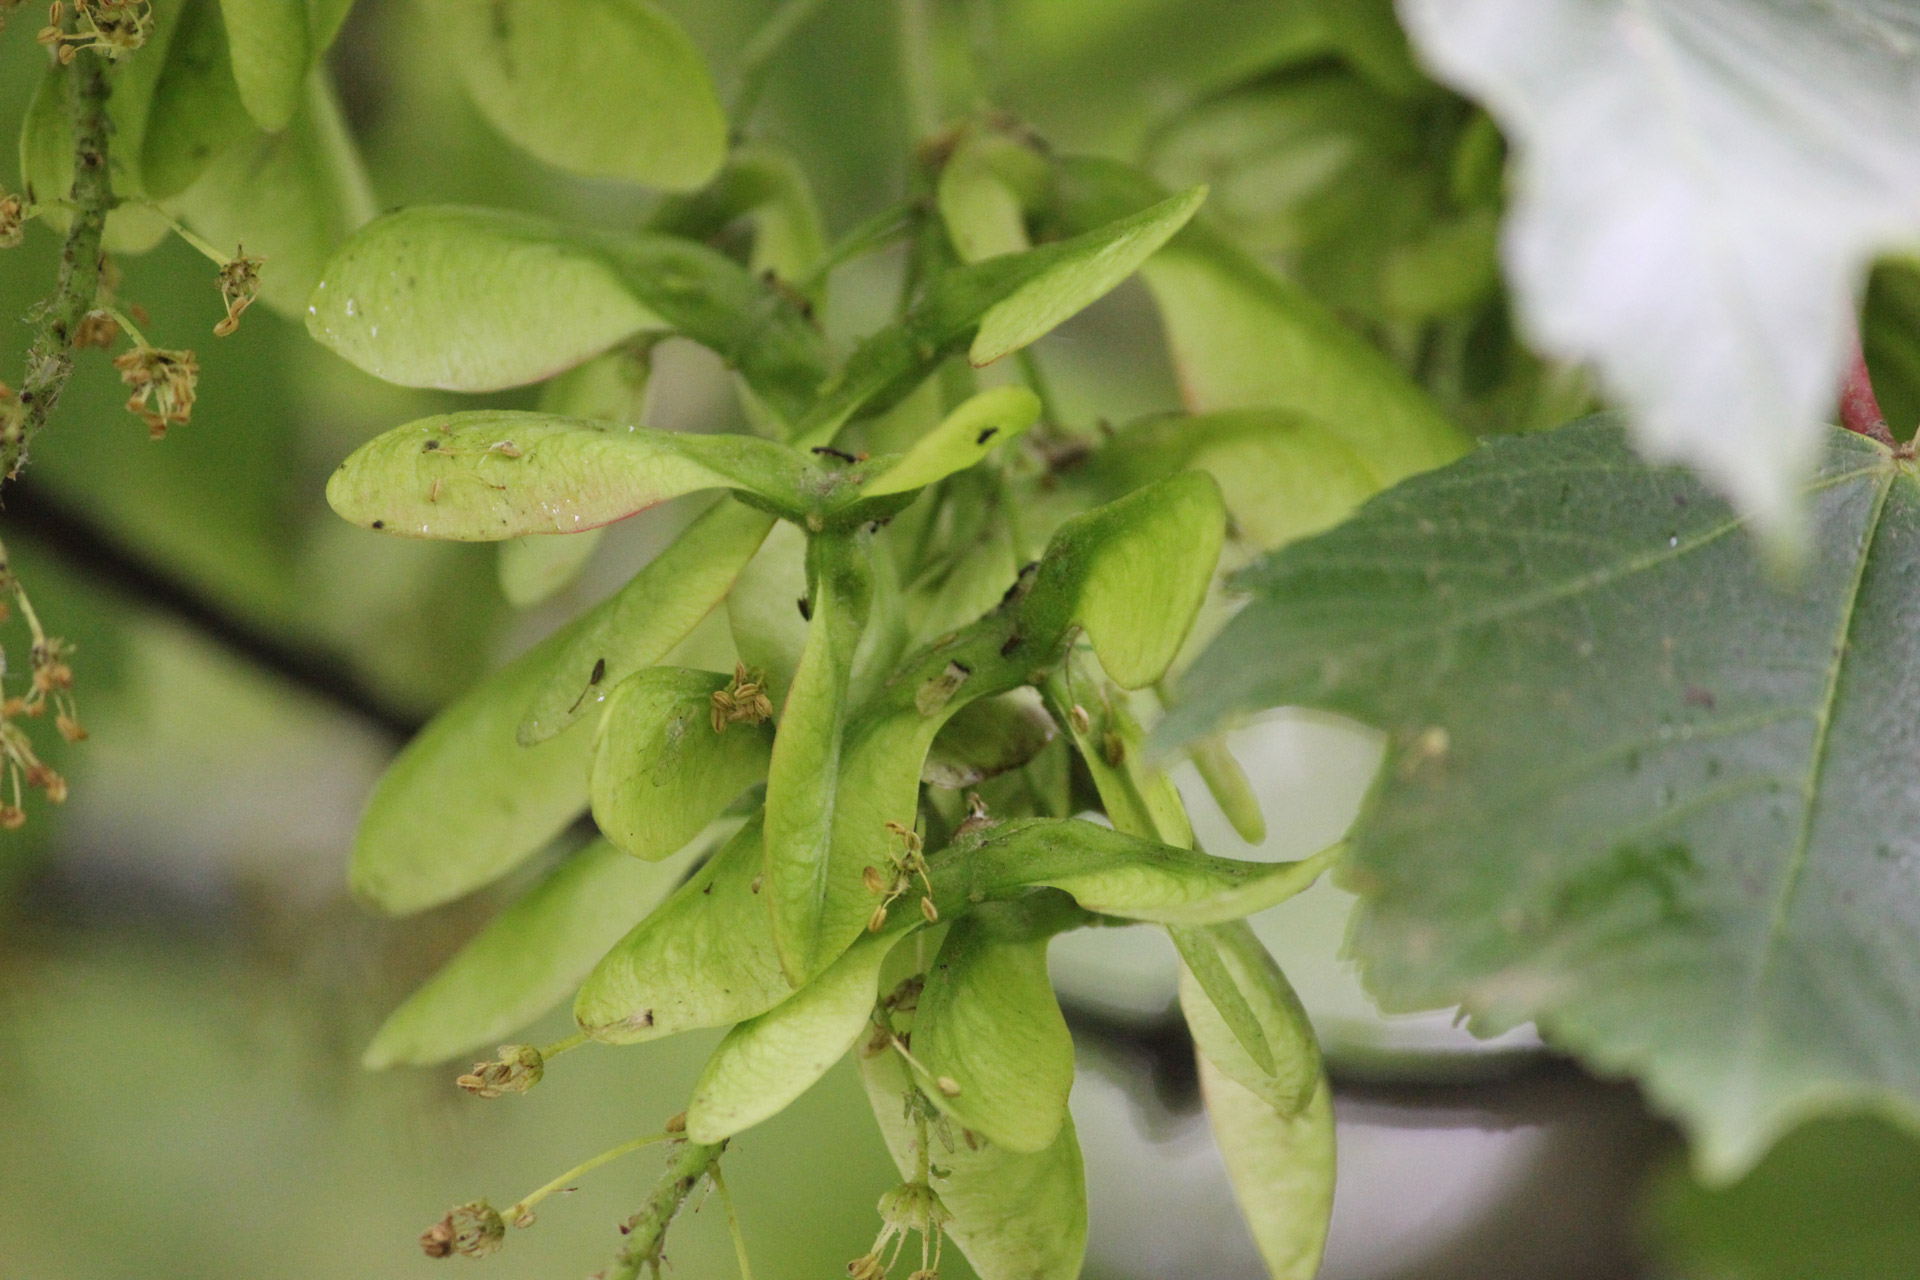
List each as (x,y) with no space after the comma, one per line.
(185,987)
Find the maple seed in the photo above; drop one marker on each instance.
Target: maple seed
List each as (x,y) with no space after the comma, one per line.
(938,692)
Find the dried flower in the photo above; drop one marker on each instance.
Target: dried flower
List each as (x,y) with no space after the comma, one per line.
(114,27)
(976,819)
(165,379)
(50,684)
(470,1230)
(518,1068)
(744,701)
(893,884)
(97,329)
(239,288)
(909,1207)
(13,219)
(13,416)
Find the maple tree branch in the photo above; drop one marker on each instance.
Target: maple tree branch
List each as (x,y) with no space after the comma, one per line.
(50,357)
(647,1229)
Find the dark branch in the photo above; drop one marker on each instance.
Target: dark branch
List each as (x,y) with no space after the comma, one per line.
(93,552)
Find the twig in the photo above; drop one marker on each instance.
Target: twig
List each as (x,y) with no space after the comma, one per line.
(89,548)
(647,1229)
(756,59)
(733,1224)
(50,357)
(919,71)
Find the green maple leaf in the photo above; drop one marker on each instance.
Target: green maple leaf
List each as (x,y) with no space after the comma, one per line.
(1639,788)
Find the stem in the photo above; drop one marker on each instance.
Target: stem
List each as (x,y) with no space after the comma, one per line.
(132,330)
(922,1157)
(983,48)
(1037,382)
(892,223)
(50,357)
(585,1167)
(207,250)
(34,629)
(918,72)
(1859,407)
(559,1047)
(647,1229)
(756,59)
(345,165)
(733,1223)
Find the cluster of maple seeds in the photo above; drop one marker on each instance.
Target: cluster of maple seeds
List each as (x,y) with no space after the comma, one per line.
(114,27)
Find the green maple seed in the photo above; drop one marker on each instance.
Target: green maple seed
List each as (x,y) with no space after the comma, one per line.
(993,1048)
(1281,1169)
(666,763)
(803,777)
(528,958)
(703,958)
(1016,1216)
(1244,1015)
(486,476)
(768,1061)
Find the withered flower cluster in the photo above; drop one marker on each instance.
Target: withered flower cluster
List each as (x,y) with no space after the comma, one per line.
(163,386)
(114,27)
